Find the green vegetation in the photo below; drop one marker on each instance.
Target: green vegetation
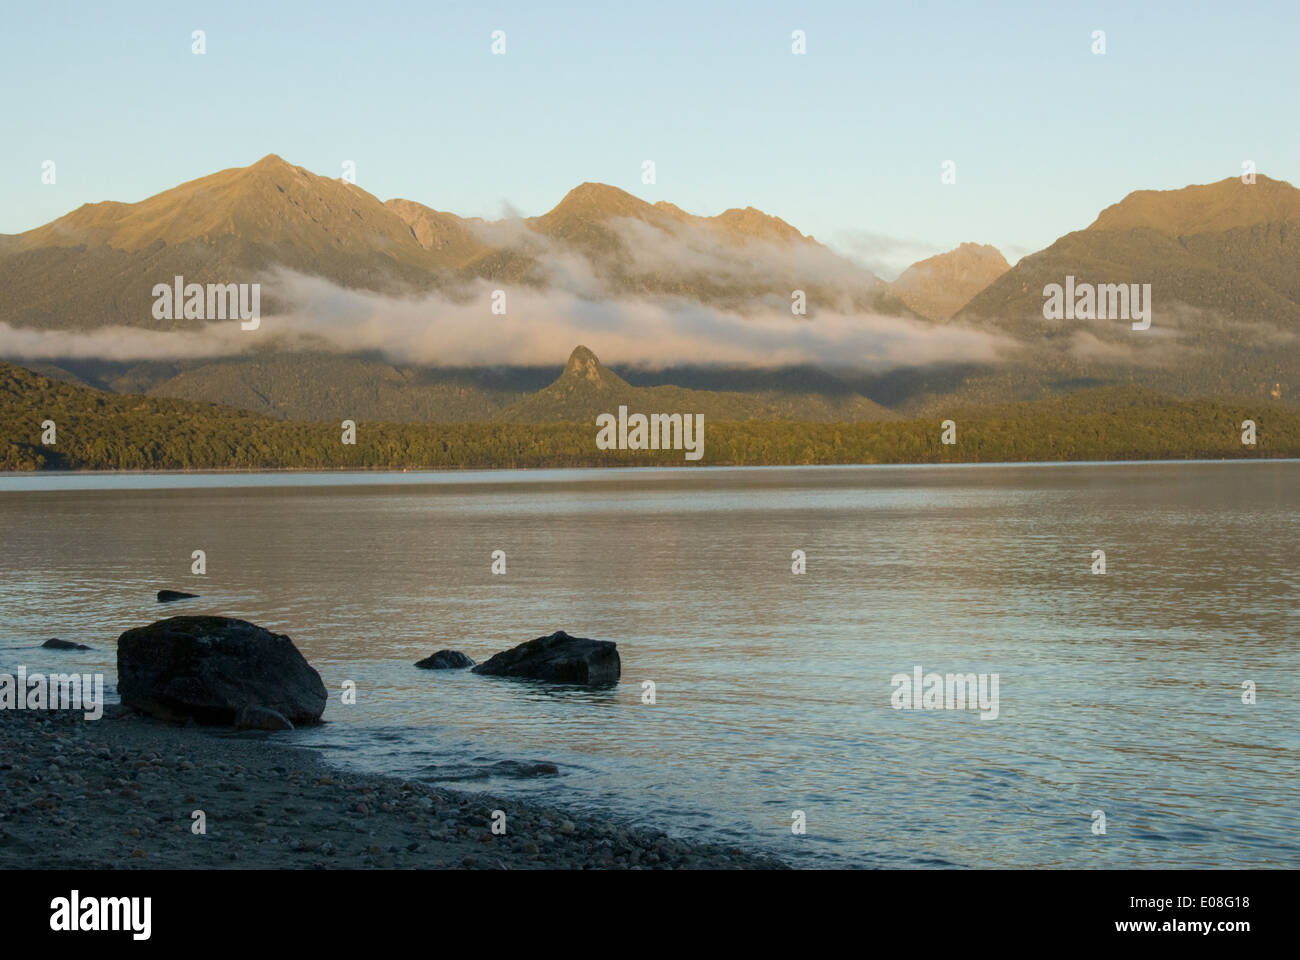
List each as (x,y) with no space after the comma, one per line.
(103,431)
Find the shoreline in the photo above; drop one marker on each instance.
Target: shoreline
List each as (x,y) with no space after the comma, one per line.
(121,792)
(642,468)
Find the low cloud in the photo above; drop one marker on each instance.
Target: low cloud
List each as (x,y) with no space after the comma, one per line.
(1091,348)
(580,302)
(883,255)
(540,327)
(700,251)
(122,343)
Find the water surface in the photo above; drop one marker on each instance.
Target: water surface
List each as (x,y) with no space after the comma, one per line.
(1119,692)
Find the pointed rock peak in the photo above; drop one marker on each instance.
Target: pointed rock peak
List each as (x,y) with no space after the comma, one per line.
(583,364)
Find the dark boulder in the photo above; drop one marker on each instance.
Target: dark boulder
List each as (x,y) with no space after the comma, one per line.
(170,596)
(211,668)
(446,660)
(558,658)
(54,643)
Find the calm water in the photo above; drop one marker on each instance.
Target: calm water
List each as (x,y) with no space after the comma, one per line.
(1118,692)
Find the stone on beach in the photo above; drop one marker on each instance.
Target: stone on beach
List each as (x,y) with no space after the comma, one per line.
(212,668)
(446,660)
(170,596)
(558,658)
(54,643)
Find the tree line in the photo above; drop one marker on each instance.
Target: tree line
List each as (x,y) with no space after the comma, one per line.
(101,431)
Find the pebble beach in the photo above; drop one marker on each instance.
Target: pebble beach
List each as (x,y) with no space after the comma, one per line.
(121,792)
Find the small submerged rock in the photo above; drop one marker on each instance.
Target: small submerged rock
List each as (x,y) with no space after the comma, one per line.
(170,596)
(558,658)
(518,769)
(513,769)
(446,660)
(261,718)
(54,643)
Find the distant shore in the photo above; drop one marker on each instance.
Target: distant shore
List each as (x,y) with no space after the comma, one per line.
(121,793)
(628,467)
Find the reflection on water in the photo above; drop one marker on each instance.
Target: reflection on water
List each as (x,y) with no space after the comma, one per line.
(1118,692)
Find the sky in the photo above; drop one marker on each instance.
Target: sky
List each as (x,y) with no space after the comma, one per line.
(847,141)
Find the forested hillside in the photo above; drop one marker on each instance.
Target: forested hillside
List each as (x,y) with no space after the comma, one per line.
(104,431)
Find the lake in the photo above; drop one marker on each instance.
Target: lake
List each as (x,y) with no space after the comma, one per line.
(1119,692)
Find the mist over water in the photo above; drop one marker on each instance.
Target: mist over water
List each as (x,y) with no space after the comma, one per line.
(1118,692)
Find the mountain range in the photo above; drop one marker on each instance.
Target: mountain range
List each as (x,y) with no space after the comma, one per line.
(98,264)
(1222,261)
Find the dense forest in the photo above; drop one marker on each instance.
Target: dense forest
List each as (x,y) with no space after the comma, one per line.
(104,431)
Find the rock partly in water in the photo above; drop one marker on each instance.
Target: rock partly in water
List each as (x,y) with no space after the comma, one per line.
(170,596)
(517,768)
(261,718)
(54,643)
(211,668)
(558,658)
(446,660)
(514,769)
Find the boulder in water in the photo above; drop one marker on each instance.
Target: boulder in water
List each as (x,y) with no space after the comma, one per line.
(446,660)
(558,658)
(209,669)
(54,643)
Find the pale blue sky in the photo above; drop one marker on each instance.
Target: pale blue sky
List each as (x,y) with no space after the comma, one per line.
(845,142)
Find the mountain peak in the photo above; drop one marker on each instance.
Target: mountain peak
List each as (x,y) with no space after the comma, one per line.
(1204,208)
(593,189)
(596,201)
(979,259)
(584,365)
(271,165)
(939,286)
(582,390)
(751,223)
(1227,249)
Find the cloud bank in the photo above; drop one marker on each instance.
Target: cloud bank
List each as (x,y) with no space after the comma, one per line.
(580,302)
